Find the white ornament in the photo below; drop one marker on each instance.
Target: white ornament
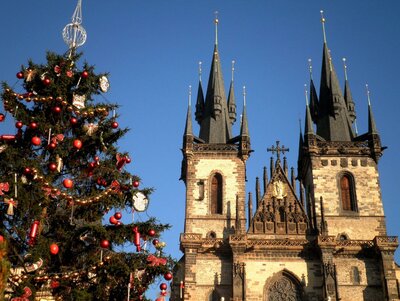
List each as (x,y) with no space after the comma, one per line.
(104,84)
(140,202)
(78,101)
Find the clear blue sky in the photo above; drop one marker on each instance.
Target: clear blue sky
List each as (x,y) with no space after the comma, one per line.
(152,48)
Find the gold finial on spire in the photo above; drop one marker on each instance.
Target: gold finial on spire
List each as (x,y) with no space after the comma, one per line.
(345,68)
(323,20)
(200,70)
(310,67)
(306,94)
(216,21)
(368,96)
(244,95)
(190,95)
(233,68)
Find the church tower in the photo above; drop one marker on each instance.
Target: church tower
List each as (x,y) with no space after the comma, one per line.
(214,171)
(326,243)
(339,171)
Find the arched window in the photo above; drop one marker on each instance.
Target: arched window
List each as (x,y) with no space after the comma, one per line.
(216,194)
(284,287)
(355,275)
(347,193)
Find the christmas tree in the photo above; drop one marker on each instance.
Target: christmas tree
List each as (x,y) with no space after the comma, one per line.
(61,174)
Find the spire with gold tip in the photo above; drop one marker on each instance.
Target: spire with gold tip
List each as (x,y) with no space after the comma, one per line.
(333,122)
(200,99)
(347,94)
(215,124)
(231,99)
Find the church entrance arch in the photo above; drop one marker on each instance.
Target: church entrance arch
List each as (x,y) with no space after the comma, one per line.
(283,287)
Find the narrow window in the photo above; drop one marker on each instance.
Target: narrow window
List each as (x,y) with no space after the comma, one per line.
(216,194)
(355,275)
(347,193)
(281,214)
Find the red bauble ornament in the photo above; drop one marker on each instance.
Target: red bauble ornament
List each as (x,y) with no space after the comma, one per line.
(1,239)
(2,117)
(163,286)
(151,232)
(19,124)
(114,125)
(135,184)
(155,242)
(77,144)
(57,109)
(68,183)
(54,249)
(20,75)
(27,171)
(73,121)
(113,220)
(52,166)
(105,244)
(85,74)
(33,125)
(118,224)
(36,141)
(118,215)
(168,276)
(54,284)
(46,81)
(128,160)
(52,146)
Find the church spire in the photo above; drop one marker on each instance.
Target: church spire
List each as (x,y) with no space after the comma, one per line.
(313,95)
(244,129)
(200,99)
(347,95)
(231,99)
(188,126)
(308,128)
(215,124)
(333,123)
(371,120)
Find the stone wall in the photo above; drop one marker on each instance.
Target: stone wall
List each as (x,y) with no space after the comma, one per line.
(358,225)
(202,168)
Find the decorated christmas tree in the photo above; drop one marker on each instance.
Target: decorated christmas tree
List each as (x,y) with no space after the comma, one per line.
(64,189)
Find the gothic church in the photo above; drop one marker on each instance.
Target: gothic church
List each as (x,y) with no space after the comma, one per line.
(325,240)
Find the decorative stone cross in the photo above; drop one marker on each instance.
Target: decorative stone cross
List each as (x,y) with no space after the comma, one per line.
(278,150)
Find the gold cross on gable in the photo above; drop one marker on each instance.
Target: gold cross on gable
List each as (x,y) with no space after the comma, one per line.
(278,150)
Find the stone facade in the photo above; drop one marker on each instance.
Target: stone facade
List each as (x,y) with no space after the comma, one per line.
(325,241)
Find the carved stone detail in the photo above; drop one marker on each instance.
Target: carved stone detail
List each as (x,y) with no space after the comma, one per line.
(284,289)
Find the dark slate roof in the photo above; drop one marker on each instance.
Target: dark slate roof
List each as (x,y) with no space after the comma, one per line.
(199,104)
(333,123)
(188,125)
(371,121)
(215,125)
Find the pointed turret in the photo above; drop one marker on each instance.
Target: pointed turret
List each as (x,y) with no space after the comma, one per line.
(231,99)
(371,120)
(308,127)
(188,125)
(333,123)
(200,100)
(347,95)
(244,137)
(313,95)
(215,126)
